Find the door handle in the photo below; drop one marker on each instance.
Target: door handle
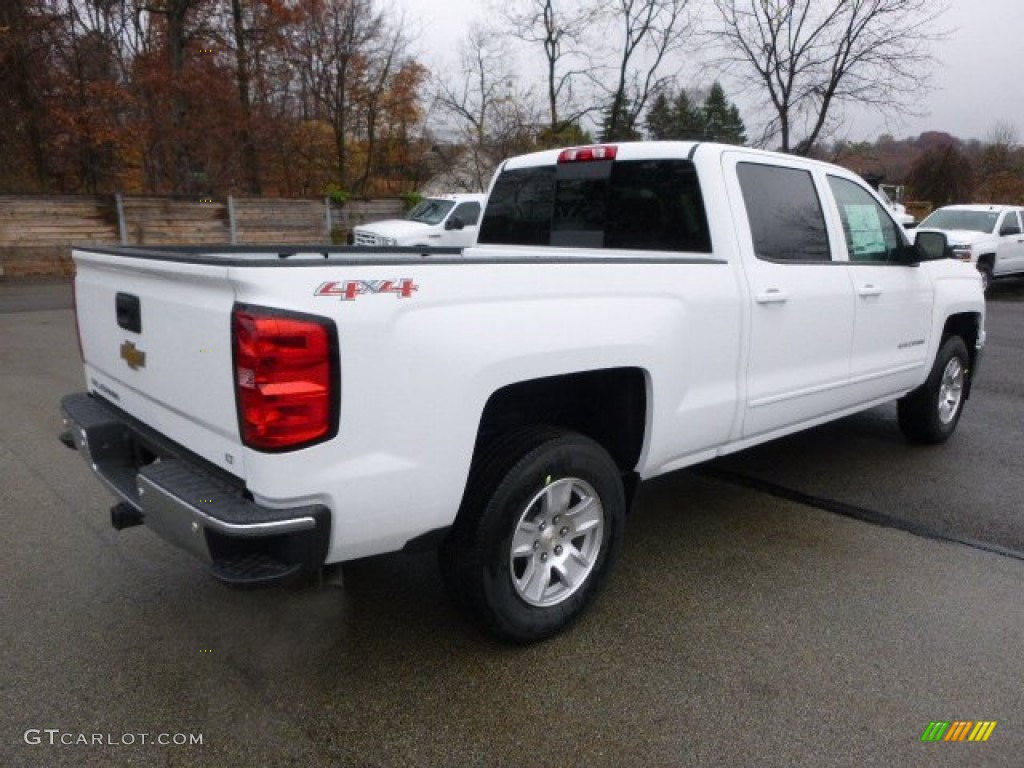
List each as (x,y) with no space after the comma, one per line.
(869,290)
(772,296)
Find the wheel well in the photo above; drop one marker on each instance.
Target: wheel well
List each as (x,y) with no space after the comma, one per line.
(987,259)
(964,325)
(608,406)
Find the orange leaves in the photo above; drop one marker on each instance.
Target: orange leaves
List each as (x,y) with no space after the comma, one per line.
(208,97)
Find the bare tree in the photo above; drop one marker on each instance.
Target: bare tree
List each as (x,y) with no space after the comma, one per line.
(337,38)
(808,59)
(650,31)
(381,66)
(1003,133)
(559,27)
(493,117)
(176,14)
(242,33)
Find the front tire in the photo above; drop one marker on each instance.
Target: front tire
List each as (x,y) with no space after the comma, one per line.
(931,412)
(537,533)
(986,276)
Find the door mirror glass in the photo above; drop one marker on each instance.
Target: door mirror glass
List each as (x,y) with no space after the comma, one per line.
(931,245)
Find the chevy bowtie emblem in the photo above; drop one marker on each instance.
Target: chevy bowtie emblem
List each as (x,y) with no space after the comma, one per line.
(135,358)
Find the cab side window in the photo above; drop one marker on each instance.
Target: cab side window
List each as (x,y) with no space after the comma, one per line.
(1010,225)
(468,212)
(786,220)
(871,234)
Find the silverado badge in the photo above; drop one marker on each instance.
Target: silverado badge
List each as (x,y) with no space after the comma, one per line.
(135,357)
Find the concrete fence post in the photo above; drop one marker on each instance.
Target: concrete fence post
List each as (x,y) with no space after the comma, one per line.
(327,218)
(122,228)
(231,220)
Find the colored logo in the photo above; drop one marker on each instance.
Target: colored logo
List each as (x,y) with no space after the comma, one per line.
(135,357)
(958,730)
(349,290)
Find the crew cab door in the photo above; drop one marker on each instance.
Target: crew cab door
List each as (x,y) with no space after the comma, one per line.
(468,214)
(892,298)
(800,301)
(1010,254)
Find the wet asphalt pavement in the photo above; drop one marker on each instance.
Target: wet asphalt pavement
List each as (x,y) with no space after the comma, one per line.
(739,627)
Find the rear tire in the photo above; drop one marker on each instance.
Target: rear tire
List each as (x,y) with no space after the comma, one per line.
(931,412)
(537,533)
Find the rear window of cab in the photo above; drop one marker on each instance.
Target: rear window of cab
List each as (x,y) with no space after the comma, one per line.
(648,205)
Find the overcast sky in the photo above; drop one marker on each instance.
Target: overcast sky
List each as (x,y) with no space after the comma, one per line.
(978,83)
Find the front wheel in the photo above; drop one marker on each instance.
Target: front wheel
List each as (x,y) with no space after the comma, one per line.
(537,532)
(986,276)
(930,413)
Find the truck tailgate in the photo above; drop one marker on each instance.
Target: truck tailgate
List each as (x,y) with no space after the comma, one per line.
(156,342)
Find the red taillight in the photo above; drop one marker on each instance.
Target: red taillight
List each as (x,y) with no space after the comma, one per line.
(286,378)
(583,154)
(74,311)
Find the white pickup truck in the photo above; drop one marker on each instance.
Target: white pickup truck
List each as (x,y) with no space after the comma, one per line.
(446,221)
(990,237)
(629,310)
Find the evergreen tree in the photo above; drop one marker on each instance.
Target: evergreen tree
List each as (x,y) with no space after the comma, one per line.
(660,120)
(691,120)
(722,120)
(617,123)
(675,118)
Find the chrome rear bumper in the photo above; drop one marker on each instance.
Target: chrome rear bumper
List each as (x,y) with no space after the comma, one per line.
(189,506)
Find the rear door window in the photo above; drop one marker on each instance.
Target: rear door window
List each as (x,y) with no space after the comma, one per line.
(785,215)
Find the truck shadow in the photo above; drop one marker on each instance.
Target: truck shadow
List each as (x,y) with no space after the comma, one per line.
(1010,289)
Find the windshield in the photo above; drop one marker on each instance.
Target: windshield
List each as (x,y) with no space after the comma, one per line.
(430,211)
(975,221)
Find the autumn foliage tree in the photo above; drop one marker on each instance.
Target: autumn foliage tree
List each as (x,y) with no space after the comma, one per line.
(201,97)
(306,97)
(942,175)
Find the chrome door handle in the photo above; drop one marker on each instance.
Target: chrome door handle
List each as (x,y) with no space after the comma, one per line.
(869,290)
(772,296)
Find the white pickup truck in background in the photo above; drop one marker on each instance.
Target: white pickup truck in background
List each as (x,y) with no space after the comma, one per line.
(444,221)
(629,310)
(991,237)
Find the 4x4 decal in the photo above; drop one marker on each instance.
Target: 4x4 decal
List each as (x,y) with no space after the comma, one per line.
(348,290)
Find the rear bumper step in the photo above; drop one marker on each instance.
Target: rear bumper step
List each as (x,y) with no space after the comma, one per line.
(243,542)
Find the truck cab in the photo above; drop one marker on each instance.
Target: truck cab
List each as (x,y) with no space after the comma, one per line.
(445,220)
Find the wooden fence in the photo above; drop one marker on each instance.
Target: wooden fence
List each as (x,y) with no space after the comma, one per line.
(36,233)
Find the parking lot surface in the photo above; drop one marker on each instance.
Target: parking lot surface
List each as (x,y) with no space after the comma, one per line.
(739,627)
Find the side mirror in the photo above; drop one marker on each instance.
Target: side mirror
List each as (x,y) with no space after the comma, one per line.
(932,245)
(455,223)
(1009,230)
